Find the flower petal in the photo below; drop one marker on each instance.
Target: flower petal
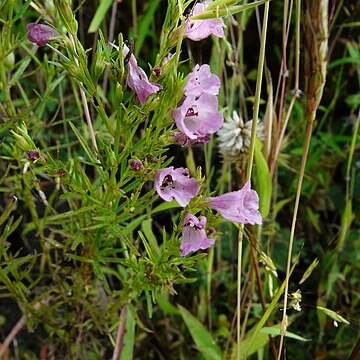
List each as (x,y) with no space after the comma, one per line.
(176,184)
(194,235)
(240,206)
(197,30)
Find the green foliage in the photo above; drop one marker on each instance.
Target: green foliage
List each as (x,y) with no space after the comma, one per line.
(203,340)
(84,236)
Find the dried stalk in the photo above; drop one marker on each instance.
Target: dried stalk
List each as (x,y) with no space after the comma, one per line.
(316,35)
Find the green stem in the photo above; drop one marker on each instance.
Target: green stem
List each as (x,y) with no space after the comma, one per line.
(134,18)
(251,160)
(308,132)
(258,91)
(238,327)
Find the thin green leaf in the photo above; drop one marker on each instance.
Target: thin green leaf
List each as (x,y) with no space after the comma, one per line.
(220,8)
(276,331)
(129,338)
(202,338)
(263,180)
(166,306)
(146,21)
(99,15)
(336,317)
(268,312)
(146,226)
(166,206)
(309,270)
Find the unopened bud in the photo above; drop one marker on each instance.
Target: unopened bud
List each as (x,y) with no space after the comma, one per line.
(135,165)
(157,70)
(33,154)
(40,34)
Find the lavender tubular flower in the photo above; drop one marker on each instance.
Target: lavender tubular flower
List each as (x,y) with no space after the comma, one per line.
(240,206)
(198,116)
(194,235)
(201,81)
(176,184)
(40,34)
(197,30)
(138,80)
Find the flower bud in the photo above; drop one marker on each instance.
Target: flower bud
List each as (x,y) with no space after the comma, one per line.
(33,155)
(40,34)
(135,165)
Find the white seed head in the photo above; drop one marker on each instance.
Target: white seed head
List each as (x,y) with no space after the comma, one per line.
(235,138)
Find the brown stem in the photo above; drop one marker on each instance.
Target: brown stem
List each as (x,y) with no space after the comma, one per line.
(120,334)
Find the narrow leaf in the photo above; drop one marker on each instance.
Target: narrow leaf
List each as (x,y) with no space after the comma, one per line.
(129,337)
(263,180)
(309,270)
(202,338)
(219,9)
(335,316)
(99,15)
(146,226)
(276,331)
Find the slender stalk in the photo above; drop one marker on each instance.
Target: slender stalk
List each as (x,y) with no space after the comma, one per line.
(120,334)
(251,160)
(238,308)
(210,265)
(308,132)
(260,71)
(262,296)
(111,39)
(351,155)
(296,90)
(85,104)
(134,18)
(316,34)
(14,331)
(297,46)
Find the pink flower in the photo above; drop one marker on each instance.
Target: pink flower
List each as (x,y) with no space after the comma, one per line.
(198,116)
(240,206)
(138,80)
(197,30)
(40,34)
(201,81)
(176,184)
(194,235)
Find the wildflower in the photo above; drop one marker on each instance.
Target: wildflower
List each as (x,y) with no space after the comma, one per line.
(137,78)
(139,82)
(40,34)
(197,30)
(235,137)
(176,184)
(240,206)
(201,81)
(194,235)
(198,116)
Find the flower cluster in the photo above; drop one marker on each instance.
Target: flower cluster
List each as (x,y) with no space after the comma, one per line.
(197,30)
(197,115)
(239,206)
